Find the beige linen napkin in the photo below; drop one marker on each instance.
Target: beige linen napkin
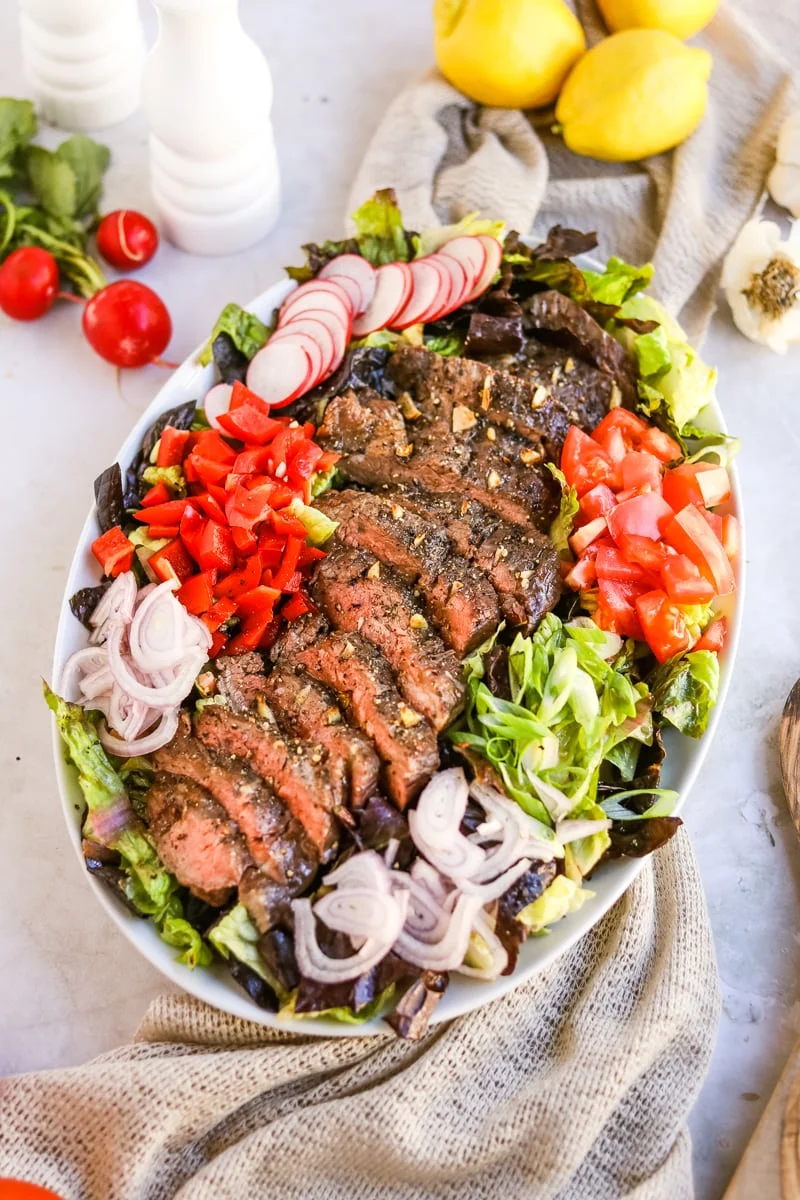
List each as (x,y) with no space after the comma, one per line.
(447,157)
(574,1086)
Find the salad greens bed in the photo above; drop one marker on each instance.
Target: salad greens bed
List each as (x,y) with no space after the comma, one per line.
(567,721)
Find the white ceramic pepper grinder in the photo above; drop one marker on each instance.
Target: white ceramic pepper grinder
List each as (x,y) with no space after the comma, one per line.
(83,60)
(207,95)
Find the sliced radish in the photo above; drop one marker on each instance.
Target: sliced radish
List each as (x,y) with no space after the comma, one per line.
(392,292)
(431,289)
(494,255)
(317,301)
(470,252)
(459,281)
(310,324)
(316,355)
(338,328)
(218,400)
(358,269)
(280,372)
(313,288)
(353,290)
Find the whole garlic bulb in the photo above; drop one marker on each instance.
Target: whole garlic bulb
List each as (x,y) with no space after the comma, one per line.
(761,280)
(784,178)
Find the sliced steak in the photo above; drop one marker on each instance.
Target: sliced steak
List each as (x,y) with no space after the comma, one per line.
(358,595)
(276,841)
(241,679)
(294,770)
(195,839)
(460,600)
(311,711)
(361,675)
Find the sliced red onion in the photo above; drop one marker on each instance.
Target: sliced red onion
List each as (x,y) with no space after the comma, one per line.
(430,879)
(435,823)
(90,658)
(315,964)
(487,892)
(574,830)
(499,954)
(447,953)
(363,913)
(364,870)
(164,732)
(157,697)
(115,606)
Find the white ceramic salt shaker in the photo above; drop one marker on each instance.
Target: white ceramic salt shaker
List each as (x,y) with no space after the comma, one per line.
(83,60)
(207,95)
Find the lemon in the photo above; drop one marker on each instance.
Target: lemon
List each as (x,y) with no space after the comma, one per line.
(634,94)
(684,18)
(507,53)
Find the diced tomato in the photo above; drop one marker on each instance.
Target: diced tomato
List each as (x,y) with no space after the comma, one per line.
(219,613)
(293,583)
(683,582)
(259,599)
(597,502)
(290,437)
(113,551)
(251,633)
(713,520)
(190,471)
(218,641)
(242,396)
(623,421)
(159,493)
(168,513)
(714,637)
(643,550)
(583,575)
(247,507)
(663,625)
(288,566)
(587,534)
(309,555)
(245,542)
(691,535)
(641,470)
(641,515)
(172,447)
(700,483)
(207,470)
(286,525)
(612,564)
(250,425)
(211,444)
(163,531)
(665,448)
(192,525)
(240,581)
(196,593)
(584,462)
(211,508)
(219,493)
(252,461)
(616,608)
(215,548)
(303,461)
(329,459)
(270,548)
(731,538)
(172,561)
(296,607)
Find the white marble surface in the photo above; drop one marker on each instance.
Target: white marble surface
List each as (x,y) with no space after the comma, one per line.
(71,986)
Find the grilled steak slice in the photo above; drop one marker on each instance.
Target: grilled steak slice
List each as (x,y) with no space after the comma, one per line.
(294,770)
(276,841)
(311,711)
(241,680)
(359,597)
(403,738)
(460,600)
(195,839)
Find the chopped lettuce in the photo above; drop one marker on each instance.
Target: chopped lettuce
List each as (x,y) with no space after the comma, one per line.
(236,936)
(318,526)
(247,332)
(431,240)
(323,481)
(618,282)
(379,229)
(685,691)
(561,527)
(615,810)
(449,345)
(346,1015)
(561,897)
(583,855)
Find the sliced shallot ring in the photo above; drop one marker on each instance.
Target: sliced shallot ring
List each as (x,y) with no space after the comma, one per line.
(366,869)
(160,697)
(359,269)
(392,290)
(448,953)
(315,964)
(362,913)
(486,892)
(163,733)
(279,372)
(496,948)
(217,401)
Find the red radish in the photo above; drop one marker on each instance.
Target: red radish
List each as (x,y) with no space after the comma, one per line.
(458,280)
(311,346)
(392,292)
(127,239)
(429,289)
(494,255)
(127,324)
(318,301)
(313,288)
(28,283)
(350,285)
(315,325)
(470,252)
(217,401)
(338,330)
(279,372)
(358,269)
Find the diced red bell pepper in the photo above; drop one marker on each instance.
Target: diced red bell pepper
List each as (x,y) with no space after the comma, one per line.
(192,525)
(245,542)
(159,493)
(219,493)
(291,437)
(663,624)
(242,580)
(218,642)
(585,463)
(293,583)
(692,535)
(616,608)
(172,561)
(289,562)
(303,461)
(587,534)
(297,606)
(612,564)
(683,582)
(714,637)
(641,515)
(163,531)
(211,444)
(643,550)
(215,548)
(190,471)
(196,594)
(329,459)
(309,555)
(251,633)
(172,447)
(659,443)
(168,513)
(287,526)
(252,461)
(259,600)
(219,613)
(270,547)
(248,507)
(699,483)
(597,502)
(249,425)
(241,396)
(113,551)
(211,508)
(642,471)
(207,470)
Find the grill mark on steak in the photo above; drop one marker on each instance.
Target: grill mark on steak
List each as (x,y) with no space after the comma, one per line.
(360,597)
(360,674)
(195,839)
(460,600)
(296,771)
(311,710)
(276,841)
